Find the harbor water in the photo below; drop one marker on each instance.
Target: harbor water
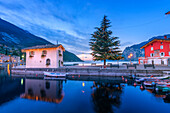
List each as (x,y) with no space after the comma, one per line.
(77,95)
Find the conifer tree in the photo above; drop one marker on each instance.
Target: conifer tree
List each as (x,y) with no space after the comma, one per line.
(103,45)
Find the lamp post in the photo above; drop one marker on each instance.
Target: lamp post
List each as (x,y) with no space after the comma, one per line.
(130,56)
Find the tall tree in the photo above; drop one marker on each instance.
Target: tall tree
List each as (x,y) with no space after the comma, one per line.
(103,45)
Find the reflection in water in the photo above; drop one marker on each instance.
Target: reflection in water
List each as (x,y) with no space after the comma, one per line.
(106,96)
(8,69)
(43,90)
(10,88)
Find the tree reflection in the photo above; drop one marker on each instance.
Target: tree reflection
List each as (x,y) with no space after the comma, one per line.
(106,96)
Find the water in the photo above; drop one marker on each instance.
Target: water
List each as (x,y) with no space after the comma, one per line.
(77,95)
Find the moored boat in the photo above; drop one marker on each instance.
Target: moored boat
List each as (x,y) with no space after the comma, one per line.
(155,78)
(52,75)
(149,84)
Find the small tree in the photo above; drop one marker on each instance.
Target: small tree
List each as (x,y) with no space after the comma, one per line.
(104,46)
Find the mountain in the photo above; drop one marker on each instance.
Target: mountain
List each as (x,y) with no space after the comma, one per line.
(136,51)
(13,36)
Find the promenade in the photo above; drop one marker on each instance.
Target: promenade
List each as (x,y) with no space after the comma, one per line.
(91,71)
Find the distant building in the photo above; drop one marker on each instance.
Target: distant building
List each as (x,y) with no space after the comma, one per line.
(44,56)
(9,58)
(157,52)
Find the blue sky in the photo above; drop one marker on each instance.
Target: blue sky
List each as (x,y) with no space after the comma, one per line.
(72,21)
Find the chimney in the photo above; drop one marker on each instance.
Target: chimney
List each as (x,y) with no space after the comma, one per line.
(165,37)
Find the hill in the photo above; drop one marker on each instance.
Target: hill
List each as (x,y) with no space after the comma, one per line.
(15,37)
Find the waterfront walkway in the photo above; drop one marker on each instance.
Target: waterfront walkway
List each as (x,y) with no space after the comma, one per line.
(92,71)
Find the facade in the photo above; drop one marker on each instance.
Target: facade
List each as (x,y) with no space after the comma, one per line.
(44,56)
(157,52)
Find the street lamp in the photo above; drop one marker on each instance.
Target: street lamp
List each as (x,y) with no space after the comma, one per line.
(130,56)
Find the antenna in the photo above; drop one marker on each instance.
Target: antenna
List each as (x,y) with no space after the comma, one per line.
(57,42)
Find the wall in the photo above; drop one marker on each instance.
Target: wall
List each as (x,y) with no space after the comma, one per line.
(156,46)
(59,57)
(40,62)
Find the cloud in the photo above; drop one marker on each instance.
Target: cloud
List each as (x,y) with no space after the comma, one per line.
(71,43)
(47,20)
(126,43)
(11,6)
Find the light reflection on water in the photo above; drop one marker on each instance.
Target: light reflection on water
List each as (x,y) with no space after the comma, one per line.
(77,95)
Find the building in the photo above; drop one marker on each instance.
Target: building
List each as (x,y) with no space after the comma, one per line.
(9,58)
(44,56)
(157,51)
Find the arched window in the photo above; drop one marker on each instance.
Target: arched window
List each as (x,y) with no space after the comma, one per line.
(48,61)
(30,92)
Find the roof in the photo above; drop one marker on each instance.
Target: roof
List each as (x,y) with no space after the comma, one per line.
(161,40)
(44,46)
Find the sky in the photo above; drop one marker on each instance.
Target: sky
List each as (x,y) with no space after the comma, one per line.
(72,21)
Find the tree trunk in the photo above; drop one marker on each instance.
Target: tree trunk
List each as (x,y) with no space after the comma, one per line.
(104,62)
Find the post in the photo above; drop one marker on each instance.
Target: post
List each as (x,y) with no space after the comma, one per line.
(104,63)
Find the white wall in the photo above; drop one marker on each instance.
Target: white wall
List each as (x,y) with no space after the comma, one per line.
(157,61)
(40,62)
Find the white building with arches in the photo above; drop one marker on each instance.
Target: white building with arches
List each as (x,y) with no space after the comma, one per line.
(44,56)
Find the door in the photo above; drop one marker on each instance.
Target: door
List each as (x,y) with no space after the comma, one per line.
(152,62)
(162,62)
(59,62)
(168,61)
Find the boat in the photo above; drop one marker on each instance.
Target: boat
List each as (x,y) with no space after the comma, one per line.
(163,88)
(52,75)
(140,80)
(155,78)
(149,84)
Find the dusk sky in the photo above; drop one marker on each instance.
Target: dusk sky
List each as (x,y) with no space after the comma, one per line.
(72,21)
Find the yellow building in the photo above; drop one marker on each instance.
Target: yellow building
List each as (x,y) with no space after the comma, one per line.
(44,56)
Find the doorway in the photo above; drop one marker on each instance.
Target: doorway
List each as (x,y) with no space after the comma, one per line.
(152,62)
(59,62)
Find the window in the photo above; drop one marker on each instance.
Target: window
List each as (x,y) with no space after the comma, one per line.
(151,48)
(44,53)
(151,54)
(47,84)
(161,42)
(48,61)
(31,53)
(162,54)
(169,53)
(161,46)
(151,44)
(59,52)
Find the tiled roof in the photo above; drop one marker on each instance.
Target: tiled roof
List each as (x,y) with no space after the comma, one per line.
(43,46)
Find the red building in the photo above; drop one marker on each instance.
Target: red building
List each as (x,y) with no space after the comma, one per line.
(157,52)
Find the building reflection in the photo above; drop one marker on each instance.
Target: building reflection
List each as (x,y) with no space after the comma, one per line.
(106,96)
(43,90)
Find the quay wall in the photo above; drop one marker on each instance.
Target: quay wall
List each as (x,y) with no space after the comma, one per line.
(87,71)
